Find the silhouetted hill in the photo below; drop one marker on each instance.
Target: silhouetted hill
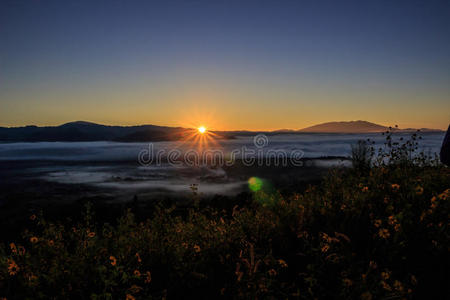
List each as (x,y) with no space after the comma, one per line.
(358,127)
(86,131)
(346,127)
(80,131)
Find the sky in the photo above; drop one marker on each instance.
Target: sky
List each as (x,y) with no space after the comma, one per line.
(227,65)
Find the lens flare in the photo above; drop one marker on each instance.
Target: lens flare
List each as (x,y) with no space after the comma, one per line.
(202,129)
(255,184)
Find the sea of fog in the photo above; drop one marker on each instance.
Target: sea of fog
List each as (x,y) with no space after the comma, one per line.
(115,165)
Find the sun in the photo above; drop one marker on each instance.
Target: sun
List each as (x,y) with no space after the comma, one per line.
(201,129)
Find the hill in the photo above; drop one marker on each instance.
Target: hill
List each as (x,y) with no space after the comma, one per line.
(346,127)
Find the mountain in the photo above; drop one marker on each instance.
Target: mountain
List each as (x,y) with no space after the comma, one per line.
(81,131)
(358,127)
(85,131)
(346,127)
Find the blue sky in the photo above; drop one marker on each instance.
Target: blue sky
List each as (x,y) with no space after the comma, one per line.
(228,64)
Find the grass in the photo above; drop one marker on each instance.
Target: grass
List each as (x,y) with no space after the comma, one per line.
(381,232)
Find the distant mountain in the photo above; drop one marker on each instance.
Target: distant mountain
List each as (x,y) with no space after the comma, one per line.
(358,127)
(80,131)
(85,131)
(346,127)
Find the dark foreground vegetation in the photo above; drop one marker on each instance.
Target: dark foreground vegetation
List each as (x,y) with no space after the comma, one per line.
(377,231)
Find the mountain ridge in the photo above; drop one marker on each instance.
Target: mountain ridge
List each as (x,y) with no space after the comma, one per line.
(89,131)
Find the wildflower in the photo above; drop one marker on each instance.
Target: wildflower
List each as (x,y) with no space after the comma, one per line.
(384,233)
(325,248)
(32,277)
(113,260)
(91,234)
(445,194)
(137,273)
(419,190)
(13,248)
(148,277)
(135,289)
(398,286)
(385,286)
(13,268)
(282,263)
(272,272)
(365,189)
(385,275)
(34,239)
(366,296)
(422,216)
(377,223)
(51,243)
(138,257)
(413,279)
(397,227)
(347,282)
(391,220)
(129,297)
(373,264)
(395,187)
(197,248)
(33,217)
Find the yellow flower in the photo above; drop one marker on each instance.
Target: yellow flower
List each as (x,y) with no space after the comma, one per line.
(138,257)
(129,297)
(282,263)
(445,194)
(13,268)
(91,234)
(13,248)
(377,223)
(347,282)
(385,275)
(391,220)
(384,233)
(385,286)
(395,187)
(197,248)
(34,239)
(325,248)
(113,260)
(148,277)
(398,286)
(419,190)
(134,289)
(366,296)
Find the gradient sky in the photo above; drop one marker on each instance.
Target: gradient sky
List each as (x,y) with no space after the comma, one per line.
(256,65)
